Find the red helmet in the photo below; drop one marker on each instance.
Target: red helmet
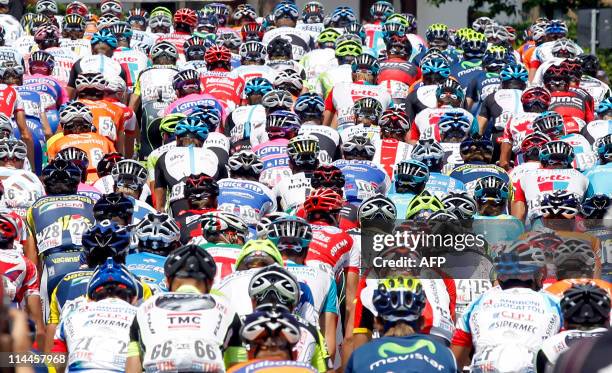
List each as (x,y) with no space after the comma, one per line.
(186,16)
(559,71)
(536,93)
(8,229)
(250,30)
(77,7)
(217,53)
(323,200)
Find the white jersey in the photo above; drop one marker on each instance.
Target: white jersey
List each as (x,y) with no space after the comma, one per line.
(133,62)
(249,123)
(554,346)
(329,140)
(80,47)
(301,41)
(198,65)
(500,318)
(142,40)
(343,97)
(185,330)
(327,80)
(319,282)
(584,156)
(390,152)
(64,60)
(248,72)
(293,191)
(236,288)
(516,128)
(596,88)
(317,62)
(452,156)
(21,189)
(96,335)
(522,169)
(24,44)
(12,28)
(348,131)
(596,129)
(11,54)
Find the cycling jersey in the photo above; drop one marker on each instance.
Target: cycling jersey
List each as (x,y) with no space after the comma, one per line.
(188,104)
(94,63)
(483,84)
(441,185)
(470,173)
(106,184)
(225,256)
(316,62)
(332,77)
(92,143)
(189,221)
(150,133)
(343,95)
(596,129)
(149,268)
(12,28)
(292,191)
(176,38)
(224,86)
(574,106)
(273,155)
(411,354)
(598,180)
(531,187)
(272,366)
(329,141)
(108,117)
(374,38)
(10,101)
(21,189)
(425,125)
(142,40)
(584,156)
(96,335)
(79,47)
(499,106)
(49,85)
(132,62)
(499,318)
(543,53)
(155,83)
(397,75)
(20,272)
(596,88)
(466,70)
(322,285)
(11,54)
(250,200)
(364,179)
(248,72)
(24,45)
(329,249)
(522,169)
(301,41)
(554,346)
(349,131)
(390,152)
(420,98)
(518,126)
(60,221)
(246,126)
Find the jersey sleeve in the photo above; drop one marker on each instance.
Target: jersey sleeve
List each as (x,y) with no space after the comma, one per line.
(519,193)
(54,311)
(160,180)
(329,101)
(331,300)
(30,281)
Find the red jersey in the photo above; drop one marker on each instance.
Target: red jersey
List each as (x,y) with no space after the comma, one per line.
(399,70)
(224,86)
(20,272)
(10,102)
(573,104)
(176,38)
(330,246)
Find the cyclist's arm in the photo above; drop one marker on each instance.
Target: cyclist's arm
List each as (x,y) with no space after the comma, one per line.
(329,112)
(234,351)
(160,187)
(26,135)
(33,302)
(54,315)
(519,204)
(45,124)
(133,363)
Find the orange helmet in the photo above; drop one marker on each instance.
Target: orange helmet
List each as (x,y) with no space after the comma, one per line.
(186,16)
(217,53)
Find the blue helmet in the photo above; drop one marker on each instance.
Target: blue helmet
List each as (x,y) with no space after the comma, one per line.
(290,228)
(366,61)
(556,27)
(604,106)
(210,116)
(604,147)
(595,207)
(192,125)
(557,152)
(435,66)
(560,203)
(491,188)
(113,204)
(111,272)
(549,123)
(455,123)
(513,71)
(494,59)
(257,86)
(286,9)
(411,173)
(104,36)
(342,16)
(309,105)
(381,10)
(105,239)
(481,143)
(522,258)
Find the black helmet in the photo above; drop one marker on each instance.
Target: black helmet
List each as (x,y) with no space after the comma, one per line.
(586,304)
(190,261)
(280,47)
(113,204)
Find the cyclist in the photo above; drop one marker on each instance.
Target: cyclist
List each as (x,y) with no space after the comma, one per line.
(596,175)
(285,18)
(160,21)
(409,179)
(185,21)
(189,271)
(280,55)
(599,127)
(435,70)
(199,194)
(112,291)
(399,303)
(321,59)
(488,80)
(431,154)
(138,19)
(309,107)
(114,207)
(188,89)
(73,32)
(474,47)
(339,101)
(253,62)
(132,61)
(194,48)
(157,235)
(519,273)
(346,50)
(218,81)
(588,78)
(586,314)
(363,178)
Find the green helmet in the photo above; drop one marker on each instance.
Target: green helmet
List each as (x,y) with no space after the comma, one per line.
(265,246)
(329,35)
(396,17)
(169,122)
(423,202)
(348,48)
(161,10)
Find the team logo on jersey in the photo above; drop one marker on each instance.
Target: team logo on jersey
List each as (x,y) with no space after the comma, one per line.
(398,349)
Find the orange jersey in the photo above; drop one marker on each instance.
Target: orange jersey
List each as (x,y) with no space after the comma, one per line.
(108,117)
(558,288)
(527,57)
(95,145)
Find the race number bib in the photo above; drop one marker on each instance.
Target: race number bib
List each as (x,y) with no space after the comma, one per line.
(183,354)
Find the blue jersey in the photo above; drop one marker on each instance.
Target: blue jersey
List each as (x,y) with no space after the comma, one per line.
(248,199)
(401,201)
(465,71)
(440,185)
(415,353)
(469,174)
(599,180)
(481,85)
(33,106)
(149,268)
(498,230)
(363,179)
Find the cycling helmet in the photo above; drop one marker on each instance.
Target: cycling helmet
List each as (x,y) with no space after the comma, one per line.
(271,322)
(130,167)
(244,12)
(556,152)
(192,126)
(59,171)
(164,48)
(474,47)
(558,72)
(113,204)
(604,107)
(209,116)
(327,176)
(410,173)
(230,40)
(157,233)
(43,6)
(574,250)
(422,206)
(380,10)
(368,107)
(549,123)
(265,221)
(216,222)
(74,22)
(186,77)
(104,36)
(75,109)
(280,47)
(160,20)
(560,203)
(186,16)
(399,299)
(429,152)
(342,16)
(596,206)
(394,120)
(111,7)
(274,285)
(480,23)
(121,30)
(103,239)
(590,64)
(586,305)
(454,124)
(328,37)
(358,146)
(282,123)
(290,80)
(286,10)
(253,249)
(13,149)
(200,186)
(277,99)
(603,147)
(91,81)
(450,91)
(260,86)
(222,11)
(367,62)
(217,54)
(303,150)
(8,230)
(460,204)
(323,200)
(519,259)
(190,261)
(377,207)
(481,143)
(513,72)
(355,29)
(253,51)
(435,66)
(564,48)
(491,188)
(109,273)
(290,228)
(106,20)
(76,156)
(106,164)
(47,33)
(494,59)
(245,161)
(138,15)
(313,12)
(496,33)
(309,105)
(532,143)
(536,96)
(252,31)
(556,27)
(77,7)
(437,31)
(6,126)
